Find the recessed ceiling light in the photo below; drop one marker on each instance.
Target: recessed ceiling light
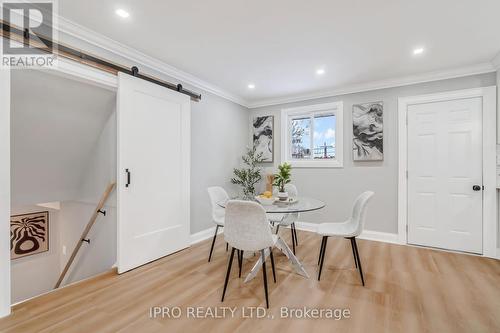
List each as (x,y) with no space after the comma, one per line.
(418,50)
(320,71)
(122,13)
(251,86)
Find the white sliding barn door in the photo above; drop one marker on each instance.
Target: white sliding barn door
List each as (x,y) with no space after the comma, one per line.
(445,178)
(153,171)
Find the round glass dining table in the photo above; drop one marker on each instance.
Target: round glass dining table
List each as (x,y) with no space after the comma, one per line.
(296,205)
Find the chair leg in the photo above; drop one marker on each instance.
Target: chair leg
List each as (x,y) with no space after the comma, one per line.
(272,263)
(229,264)
(277,229)
(293,239)
(295,233)
(354,253)
(322,257)
(264,273)
(227,246)
(359,261)
(240,260)
(213,242)
(321,249)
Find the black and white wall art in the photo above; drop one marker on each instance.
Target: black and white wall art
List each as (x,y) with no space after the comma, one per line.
(29,234)
(263,128)
(368,131)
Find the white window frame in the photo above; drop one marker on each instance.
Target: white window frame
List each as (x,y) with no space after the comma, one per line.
(337,108)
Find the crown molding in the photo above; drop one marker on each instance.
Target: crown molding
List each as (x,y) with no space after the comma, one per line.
(481,68)
(136,57)
(496,61)
(105,43)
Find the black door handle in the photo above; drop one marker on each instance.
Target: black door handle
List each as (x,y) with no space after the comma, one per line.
(476,188)
(128,178)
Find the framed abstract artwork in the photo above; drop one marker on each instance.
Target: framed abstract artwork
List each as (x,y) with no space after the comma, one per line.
(368,131)
(263,131)
(29,234)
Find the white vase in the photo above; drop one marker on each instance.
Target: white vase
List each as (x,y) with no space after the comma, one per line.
(283,196)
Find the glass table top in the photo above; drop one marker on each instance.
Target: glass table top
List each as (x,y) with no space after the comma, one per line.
(300,204)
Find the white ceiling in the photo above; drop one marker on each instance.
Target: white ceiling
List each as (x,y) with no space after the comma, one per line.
(279,44)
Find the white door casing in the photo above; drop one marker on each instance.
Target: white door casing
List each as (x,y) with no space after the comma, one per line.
(444,163)
(4,192)
(154,145)
(489,207)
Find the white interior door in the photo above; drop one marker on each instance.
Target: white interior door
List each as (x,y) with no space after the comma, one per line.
(153,171)
(444,166)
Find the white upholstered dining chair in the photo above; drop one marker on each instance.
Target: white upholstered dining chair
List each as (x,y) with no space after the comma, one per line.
(247,229)
(285,220)
(349,229)
(217,194)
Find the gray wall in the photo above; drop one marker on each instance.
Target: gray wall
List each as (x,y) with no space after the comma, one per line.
(219,136)
(339,187)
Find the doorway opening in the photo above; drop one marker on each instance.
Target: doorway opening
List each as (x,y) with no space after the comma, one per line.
(63,156)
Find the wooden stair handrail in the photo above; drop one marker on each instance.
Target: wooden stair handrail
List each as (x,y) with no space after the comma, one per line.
(85,232)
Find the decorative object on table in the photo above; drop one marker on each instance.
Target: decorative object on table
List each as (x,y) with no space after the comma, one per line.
(368,131)
(269,182)
(263,136)
(266,198)
(288,201)
(282,178)
(29,234)
(248,176)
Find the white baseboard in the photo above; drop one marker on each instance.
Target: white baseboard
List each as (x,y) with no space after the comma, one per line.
(204,234)
(366,234)
(377,236)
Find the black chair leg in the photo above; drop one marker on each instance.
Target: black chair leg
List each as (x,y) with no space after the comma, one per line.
(265,277)
(277,229)
(272,263)
(240,260)
(322,256)
(321,249)
(359,261)
(293,239)
(229,264)
(213,242)
(354,253)
(295,233)
(227,246)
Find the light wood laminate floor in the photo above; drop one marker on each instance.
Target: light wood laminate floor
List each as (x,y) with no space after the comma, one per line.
(408,289)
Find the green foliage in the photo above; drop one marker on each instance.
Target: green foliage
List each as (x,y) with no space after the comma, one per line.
(283,176)
(248,176)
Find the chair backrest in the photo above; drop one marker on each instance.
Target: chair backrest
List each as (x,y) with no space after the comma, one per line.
(359,210)
(291,190)
(246,226)
(217,194)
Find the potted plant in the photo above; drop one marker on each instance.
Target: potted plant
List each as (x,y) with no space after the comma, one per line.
(282,178)
(248,176)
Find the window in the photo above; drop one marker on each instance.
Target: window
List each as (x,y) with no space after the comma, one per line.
(312,135)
